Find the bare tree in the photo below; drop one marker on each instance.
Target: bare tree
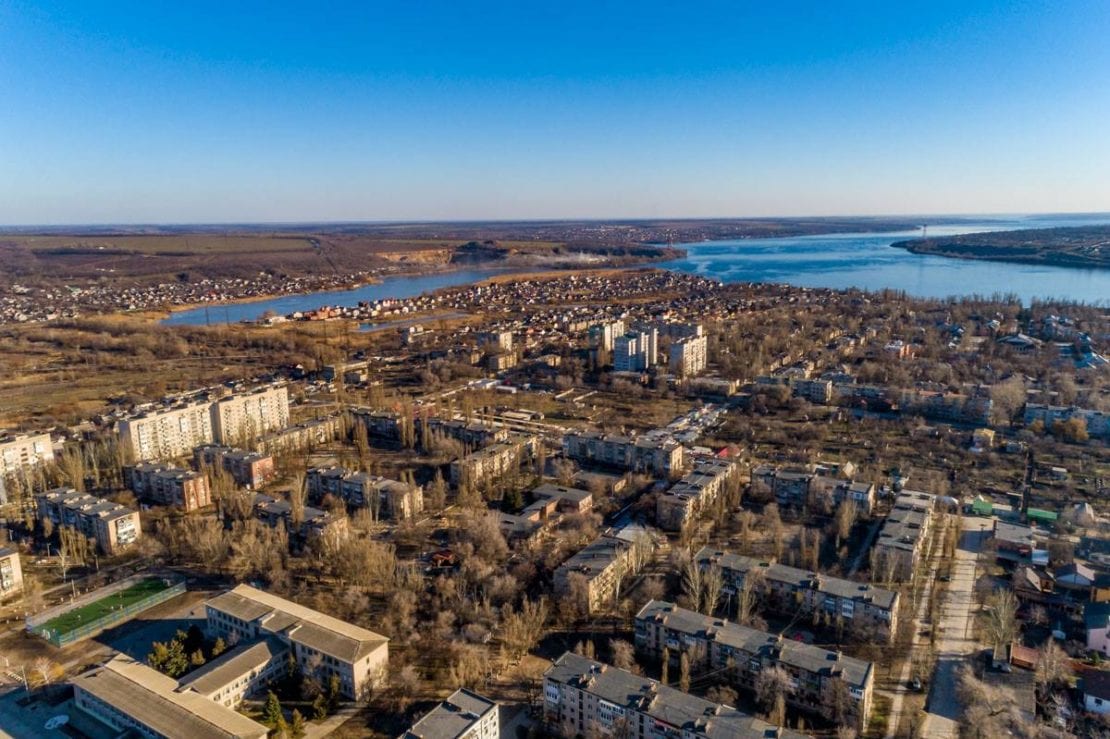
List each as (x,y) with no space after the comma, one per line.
(712,579)
(846,514)
(622,655)
(772,686)
(692,583)
(999,617)
(1053,667)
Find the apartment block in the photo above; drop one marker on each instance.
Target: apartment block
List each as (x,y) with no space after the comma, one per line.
(132,699)
(595,573)
(113,526)
(464,715)
(863,609)
(583,697)
(386,499)
(688,357)
(248,469)
(24,450)
(167,433)
(491,462)
(740,653)
(1096,422)
(694,494)
(635,351)
(473,434)
(904,536)
(320,643)
(602,335)
(168,485)
(819,392)
(243,417)
(302,436)
(315,522)
(11,573)
(662,457)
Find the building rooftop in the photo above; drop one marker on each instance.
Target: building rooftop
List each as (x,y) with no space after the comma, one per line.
(453,717)
(233,664)
(596,556)
(319,631)
(695,717)
(796,654)
(157,701)
(800,578)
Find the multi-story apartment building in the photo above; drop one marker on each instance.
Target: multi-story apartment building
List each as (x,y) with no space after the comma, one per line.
(167,433)
(635,351)
(1097,422)
(583,697)
(862,609)
(491,462)
(496,340)
(688,357)
(321,644)
(385,498)
(465,715)
(249,469)
(903,537)
(246,416)
(695,493)
(132,699)
(23,450)
(11,573)
(819,392)
(473,434)
(314,521)
(660,456)
(172,432)
(596,573)
(302,436)
(602,335)
(168,485)
(789,487)
(740,653)
(113,526)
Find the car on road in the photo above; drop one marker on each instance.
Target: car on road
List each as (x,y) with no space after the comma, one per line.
(916,684)
(945,578)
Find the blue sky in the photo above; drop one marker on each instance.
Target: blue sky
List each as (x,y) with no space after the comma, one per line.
(237,111)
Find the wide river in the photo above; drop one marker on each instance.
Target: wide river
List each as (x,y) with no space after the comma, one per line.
(863,260)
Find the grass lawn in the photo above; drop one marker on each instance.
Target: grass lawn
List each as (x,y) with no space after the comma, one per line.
(70,620)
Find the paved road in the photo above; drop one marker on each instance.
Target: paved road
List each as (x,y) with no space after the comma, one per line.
(901,687)
(956,641)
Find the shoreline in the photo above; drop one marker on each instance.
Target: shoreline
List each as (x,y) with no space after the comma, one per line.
(1058,261)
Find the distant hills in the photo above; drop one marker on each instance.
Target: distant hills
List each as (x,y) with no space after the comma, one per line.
(1073,246)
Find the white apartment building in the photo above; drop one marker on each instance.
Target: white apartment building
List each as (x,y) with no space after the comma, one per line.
(167,433)
(689,356)
(241,417)
(11,573)
(17,453)
(635,351)
(465,715)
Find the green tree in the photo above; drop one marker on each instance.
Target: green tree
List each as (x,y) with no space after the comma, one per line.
(319,708)
(272,715)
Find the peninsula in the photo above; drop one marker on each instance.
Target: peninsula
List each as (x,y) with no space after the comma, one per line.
(1081,246)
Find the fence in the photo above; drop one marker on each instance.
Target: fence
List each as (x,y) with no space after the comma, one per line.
(37,624)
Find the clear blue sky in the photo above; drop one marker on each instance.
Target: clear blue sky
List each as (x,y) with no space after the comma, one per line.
(237,111)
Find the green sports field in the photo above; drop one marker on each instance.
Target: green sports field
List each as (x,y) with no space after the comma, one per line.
(90,612)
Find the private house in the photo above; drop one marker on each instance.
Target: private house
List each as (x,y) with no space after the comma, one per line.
(1096,622)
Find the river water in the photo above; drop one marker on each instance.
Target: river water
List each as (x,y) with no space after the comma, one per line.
(869,261)
(864,260)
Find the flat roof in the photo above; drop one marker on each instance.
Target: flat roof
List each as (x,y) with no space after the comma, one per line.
(156,701)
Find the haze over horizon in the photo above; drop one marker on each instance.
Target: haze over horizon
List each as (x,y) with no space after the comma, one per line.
(212,113)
